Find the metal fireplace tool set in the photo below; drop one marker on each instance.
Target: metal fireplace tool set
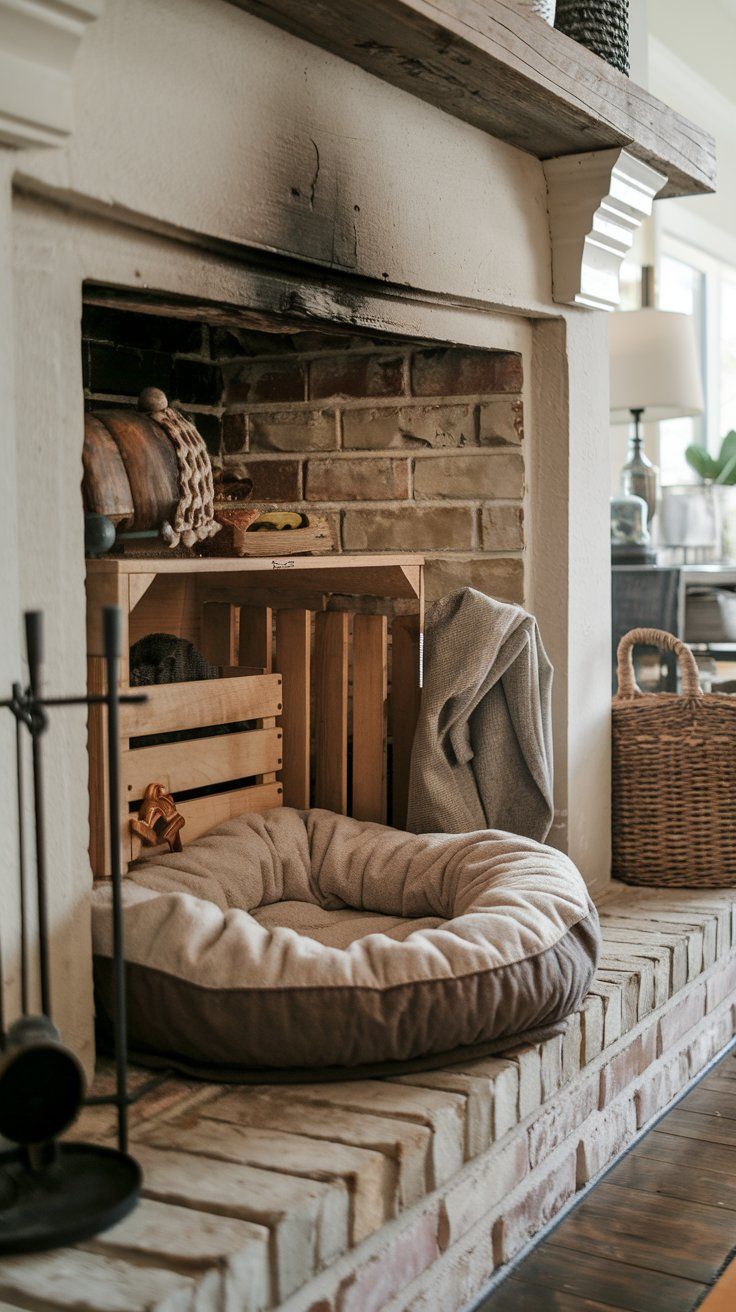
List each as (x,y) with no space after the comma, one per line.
(51,1192)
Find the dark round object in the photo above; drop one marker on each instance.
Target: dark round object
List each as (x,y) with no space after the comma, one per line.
(99,535)
(42,1083)
(81,1192)
(601,25)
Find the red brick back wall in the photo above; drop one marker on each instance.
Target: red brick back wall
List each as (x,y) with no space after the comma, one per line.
(402,447)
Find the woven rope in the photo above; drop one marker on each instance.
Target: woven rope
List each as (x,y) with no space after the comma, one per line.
(194,519)
(627,685)
(601,25)
(674,778)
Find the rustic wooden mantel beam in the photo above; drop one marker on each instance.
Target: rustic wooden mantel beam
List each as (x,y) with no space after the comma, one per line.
(511,75)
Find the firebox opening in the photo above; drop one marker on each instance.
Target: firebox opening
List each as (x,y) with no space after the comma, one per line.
(381,442)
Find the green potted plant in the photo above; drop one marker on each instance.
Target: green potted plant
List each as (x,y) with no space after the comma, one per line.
(720,473)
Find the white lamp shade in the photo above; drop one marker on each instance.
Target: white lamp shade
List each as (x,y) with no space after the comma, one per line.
(654,365)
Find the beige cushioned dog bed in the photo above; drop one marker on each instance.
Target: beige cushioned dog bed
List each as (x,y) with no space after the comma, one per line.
(309,939)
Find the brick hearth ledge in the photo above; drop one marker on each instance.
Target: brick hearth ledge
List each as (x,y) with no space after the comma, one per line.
(403,1195)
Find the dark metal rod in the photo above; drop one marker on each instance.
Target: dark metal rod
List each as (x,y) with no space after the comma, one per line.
(93,699)
(112,628)
(34,650)
(18,692)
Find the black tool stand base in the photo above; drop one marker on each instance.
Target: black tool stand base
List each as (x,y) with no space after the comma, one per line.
(83,1191)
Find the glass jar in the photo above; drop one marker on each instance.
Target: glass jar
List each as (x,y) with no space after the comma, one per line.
(629,521)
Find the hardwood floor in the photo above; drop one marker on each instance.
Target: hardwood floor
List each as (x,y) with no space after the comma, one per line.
(657,1232)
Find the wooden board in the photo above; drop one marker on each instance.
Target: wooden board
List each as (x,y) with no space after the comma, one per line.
(202,763)
(203,813)
(196,705)
(360,575)
(219,625)
(370,693)
(293,662)
(405,700)
(256,636)
(331,711)
(594,1276)
(168,605)
(507,73)
(106,589)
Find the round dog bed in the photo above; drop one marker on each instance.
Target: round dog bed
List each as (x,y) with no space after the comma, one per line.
(307,939)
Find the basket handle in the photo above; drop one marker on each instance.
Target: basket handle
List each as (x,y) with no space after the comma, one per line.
(627,685)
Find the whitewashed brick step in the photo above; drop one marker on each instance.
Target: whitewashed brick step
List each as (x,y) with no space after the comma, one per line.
(401,1194)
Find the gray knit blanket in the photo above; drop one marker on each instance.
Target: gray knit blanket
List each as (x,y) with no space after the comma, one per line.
(482,756)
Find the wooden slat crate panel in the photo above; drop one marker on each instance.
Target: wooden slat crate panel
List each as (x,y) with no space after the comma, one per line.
(201,763)
(405,698)
(328,700)
(370,698)
(293,661)
(331,702)
(203,813)
(174,706)
(219,642)
(255,633)
(170,605)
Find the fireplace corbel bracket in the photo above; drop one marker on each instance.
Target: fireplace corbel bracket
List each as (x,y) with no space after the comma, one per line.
(37,48)
(596,201)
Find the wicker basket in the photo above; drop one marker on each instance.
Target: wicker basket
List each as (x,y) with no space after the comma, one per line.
(674,777)
(601,25)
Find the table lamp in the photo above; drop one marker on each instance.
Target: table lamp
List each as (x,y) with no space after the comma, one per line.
(655,374)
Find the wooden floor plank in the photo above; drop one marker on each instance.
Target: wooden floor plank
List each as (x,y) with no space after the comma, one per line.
(591,1276)
(704,1128)
(712,1102)
(721,1082)
(517,1296)
(691,1242)
(648,1175)
(720,1158)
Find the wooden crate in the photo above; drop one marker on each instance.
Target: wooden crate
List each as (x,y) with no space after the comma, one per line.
(310,651)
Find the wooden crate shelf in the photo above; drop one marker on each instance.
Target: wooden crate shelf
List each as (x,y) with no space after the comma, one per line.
(304,653)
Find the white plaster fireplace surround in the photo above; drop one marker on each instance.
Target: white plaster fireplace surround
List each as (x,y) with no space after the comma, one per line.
(216,158)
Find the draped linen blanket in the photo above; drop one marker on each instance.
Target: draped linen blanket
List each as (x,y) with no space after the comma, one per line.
(482,756)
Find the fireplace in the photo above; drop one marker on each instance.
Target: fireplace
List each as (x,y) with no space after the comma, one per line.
(395,445)
(381,267)
(428,393)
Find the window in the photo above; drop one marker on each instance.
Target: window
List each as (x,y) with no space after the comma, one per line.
(696,283)
(727,398)
(682,288)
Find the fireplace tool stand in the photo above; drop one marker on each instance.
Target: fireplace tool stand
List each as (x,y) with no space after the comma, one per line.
(54,1193)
